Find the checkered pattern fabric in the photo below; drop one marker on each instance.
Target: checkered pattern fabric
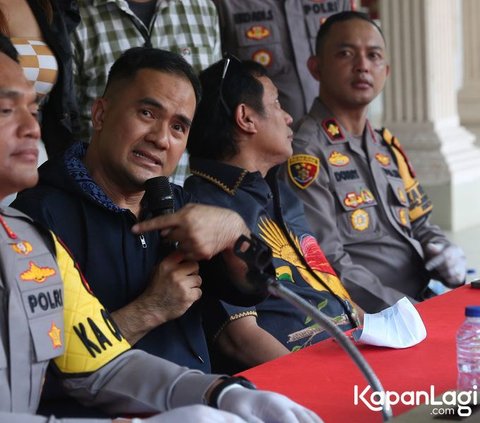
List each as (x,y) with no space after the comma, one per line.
(38,63)
(109,27)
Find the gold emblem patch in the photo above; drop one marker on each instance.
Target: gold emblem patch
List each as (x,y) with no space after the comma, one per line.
(360,220)
(367,196)
(23,247)
(402,196)
(383,159)
(353,200)
(36,273)
(338,159)
(264,57)
(55,335)
(303,169)
(257,32)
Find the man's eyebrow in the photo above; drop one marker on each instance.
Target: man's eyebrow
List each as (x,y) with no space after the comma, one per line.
(372,47)
(151,102)
(155,103)
(7,93)
(13,94)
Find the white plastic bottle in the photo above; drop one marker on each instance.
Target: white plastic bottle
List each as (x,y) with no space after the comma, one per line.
(468,350)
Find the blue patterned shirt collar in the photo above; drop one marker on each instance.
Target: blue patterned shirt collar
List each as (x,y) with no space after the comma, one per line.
(76,169)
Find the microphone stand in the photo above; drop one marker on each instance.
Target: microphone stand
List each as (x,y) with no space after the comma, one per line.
(257,256)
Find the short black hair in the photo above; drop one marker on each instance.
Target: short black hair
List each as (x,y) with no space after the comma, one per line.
(7,48)
(134,59)
(212,134)
(341,17)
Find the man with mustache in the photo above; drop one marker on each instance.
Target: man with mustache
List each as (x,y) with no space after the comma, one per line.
(239,137)
(368,212)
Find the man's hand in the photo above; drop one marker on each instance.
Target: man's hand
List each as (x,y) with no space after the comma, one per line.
(193,413)
(174,287)
(200,231)
(449,261)
(263,406)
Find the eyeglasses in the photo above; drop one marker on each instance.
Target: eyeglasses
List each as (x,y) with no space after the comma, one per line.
(230,61)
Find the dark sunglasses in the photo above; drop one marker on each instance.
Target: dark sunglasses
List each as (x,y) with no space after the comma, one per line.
(230,61)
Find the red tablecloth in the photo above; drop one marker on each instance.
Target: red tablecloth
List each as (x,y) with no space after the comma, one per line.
(322,377)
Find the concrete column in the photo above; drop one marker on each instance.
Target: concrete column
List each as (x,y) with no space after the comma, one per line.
(469,95)
(420,106)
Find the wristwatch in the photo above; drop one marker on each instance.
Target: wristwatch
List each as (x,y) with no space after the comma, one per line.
(228,381)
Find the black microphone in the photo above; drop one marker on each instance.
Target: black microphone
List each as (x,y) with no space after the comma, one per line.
(158,200)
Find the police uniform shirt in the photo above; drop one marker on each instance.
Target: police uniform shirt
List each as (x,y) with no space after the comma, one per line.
(357,205)
(279,34)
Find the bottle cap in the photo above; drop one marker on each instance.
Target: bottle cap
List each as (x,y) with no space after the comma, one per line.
(472,311)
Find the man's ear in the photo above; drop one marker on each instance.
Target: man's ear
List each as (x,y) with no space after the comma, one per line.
(245,119)
(98,112)
(313,65)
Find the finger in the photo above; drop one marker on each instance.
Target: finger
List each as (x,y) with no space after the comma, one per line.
(305,415)
(174,258)
(196,294)
(194,281)
(435,247)
(434,262)
(156,224)
(191,267)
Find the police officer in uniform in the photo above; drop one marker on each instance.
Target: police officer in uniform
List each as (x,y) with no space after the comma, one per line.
(48,313)
(368,211)
(280,35)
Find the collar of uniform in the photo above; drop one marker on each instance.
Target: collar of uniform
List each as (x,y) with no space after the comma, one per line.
(322,115)
(335,133)
(225,176)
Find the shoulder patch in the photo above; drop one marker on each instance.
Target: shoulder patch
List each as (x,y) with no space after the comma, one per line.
(303,169)
(333,130)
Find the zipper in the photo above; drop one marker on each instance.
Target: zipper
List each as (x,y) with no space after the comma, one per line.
(143,241)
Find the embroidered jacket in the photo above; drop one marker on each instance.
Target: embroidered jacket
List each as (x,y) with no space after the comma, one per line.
(272,211)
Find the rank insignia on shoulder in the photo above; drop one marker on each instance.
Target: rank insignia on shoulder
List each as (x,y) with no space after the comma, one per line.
(36,273)
(360,220)
(55,335)
(264,57)
(22,247)
(333,130)
(257,32)
(383,159)
(338,159)
(303,169)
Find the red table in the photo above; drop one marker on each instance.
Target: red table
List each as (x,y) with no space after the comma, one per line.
(322,377)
